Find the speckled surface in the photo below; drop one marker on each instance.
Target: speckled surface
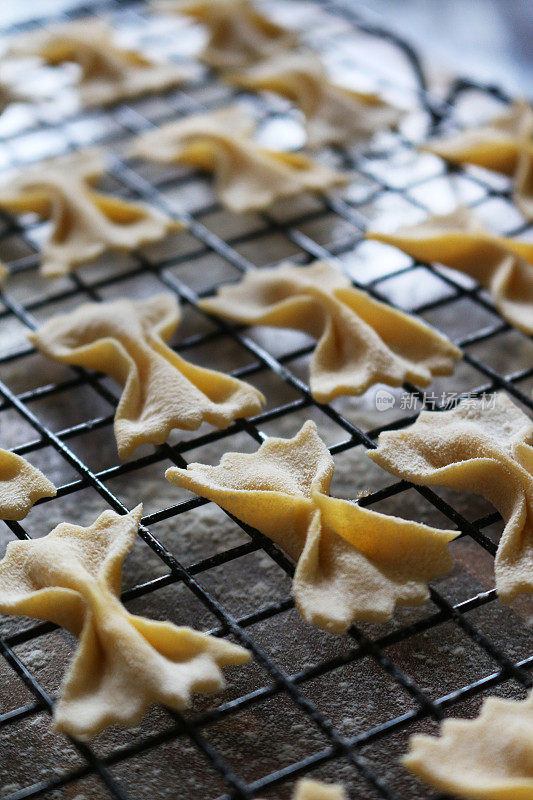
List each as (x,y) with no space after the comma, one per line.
(273,733)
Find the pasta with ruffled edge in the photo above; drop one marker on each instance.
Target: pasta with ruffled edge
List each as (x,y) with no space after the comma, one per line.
(248,177)
(109,73)
(504,144)
(486,758)
(484,447)
(85,222)
(239,35)
(127,340)
(501,264)
(361,341)
(123,663)
(351,563)
(21,485)
(334,114)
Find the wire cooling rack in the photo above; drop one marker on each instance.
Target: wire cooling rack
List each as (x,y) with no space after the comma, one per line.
(345,709)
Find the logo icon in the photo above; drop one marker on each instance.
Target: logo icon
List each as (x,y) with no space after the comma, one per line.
(384,399)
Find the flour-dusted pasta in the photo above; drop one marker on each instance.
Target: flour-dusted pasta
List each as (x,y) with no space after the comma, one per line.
(108,73)
(483,446)
(505,144)
(239,35)
(351,563)
(127,340)
(21,485)
(124,663)
(486,758)
(360,340)
(502,265)
(85,222)
(334,114)
(248,177)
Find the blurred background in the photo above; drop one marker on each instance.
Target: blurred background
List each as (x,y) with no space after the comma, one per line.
(490,40)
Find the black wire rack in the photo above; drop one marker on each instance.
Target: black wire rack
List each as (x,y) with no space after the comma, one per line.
(364,754)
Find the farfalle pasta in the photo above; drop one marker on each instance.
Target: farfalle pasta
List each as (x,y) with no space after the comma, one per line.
(505,144)
(351,563)
(502,265)
(486,758)
(85,222)
(108,73)
(334,114)
(484,446)
(21,485)
(248,177)
(239,35)
(127,340)
(360,340)
(123,663)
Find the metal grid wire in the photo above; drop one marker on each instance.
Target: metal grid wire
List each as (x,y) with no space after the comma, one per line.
(337,747)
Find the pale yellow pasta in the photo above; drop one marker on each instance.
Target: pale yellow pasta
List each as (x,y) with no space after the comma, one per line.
(85,222)
(483,446)
(361,342)
(502,265)
(247,176)
(486,758)
(108,73)
(308,789)
(239,34)
(334,114)
(351,563)
(123,663)
(21,485)
(127,340)
(505,144)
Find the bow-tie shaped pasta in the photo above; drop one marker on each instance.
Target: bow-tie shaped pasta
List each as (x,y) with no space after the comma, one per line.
(485,447)
(334,114)
(248,177)
(123,663)
(502,265)
(351,563)
(21,485)
(361,341)
(108,72)
(127,340)
(85,222)
(505,144)
(239,35)
(487,758)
